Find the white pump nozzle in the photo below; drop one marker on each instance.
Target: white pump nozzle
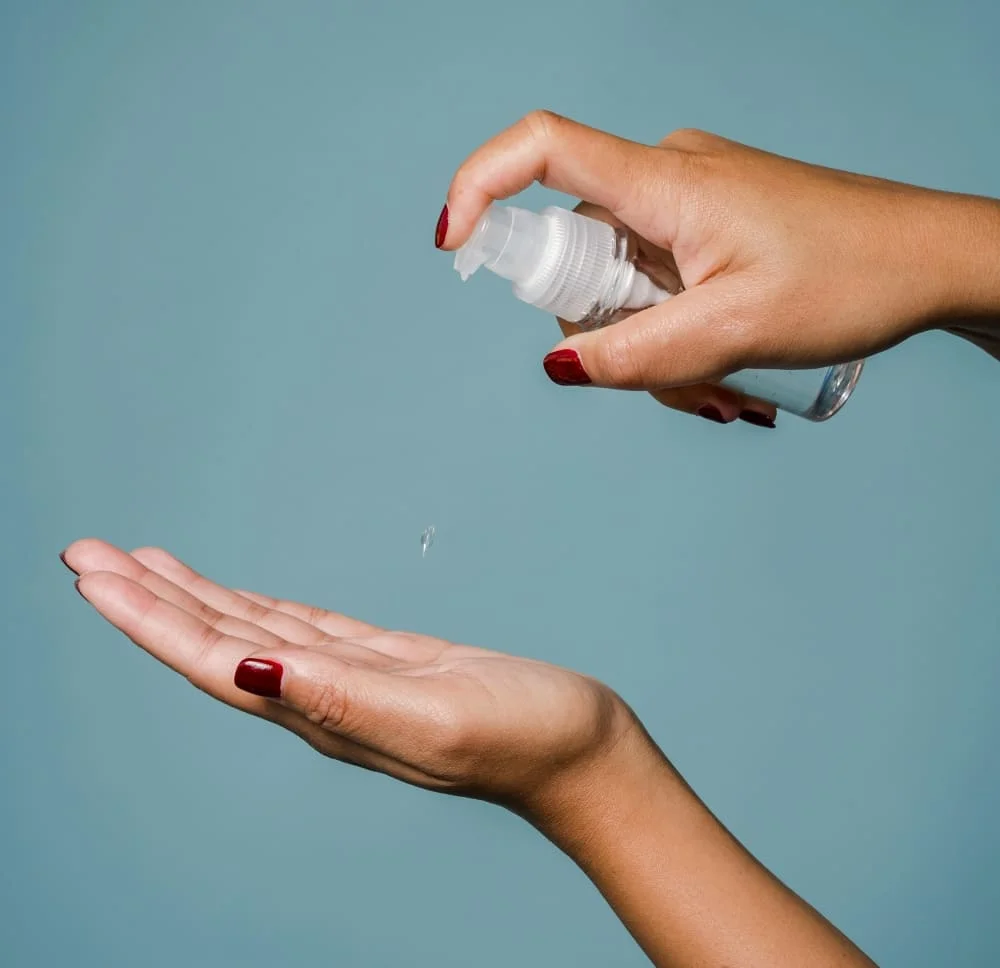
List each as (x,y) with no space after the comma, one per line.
(569,265)
(508,241)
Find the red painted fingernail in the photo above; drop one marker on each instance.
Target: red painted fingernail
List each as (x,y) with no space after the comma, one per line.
(441,231)
(262,677)
(565,368)
(711,413)
(757,419)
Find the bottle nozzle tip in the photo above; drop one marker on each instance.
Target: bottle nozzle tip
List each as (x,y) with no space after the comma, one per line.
(467,261)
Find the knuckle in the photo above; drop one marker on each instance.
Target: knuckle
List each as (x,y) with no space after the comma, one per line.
(691,167)
(326,705)
(210,616)
(207,639)
(618,361)
(542,125)
(256,613)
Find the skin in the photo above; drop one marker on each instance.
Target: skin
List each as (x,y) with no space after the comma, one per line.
(783,264)
(561,750)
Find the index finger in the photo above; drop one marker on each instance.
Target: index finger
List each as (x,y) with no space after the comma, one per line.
(629,179)
(206,657)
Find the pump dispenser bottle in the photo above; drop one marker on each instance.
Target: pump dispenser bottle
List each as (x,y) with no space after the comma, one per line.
(583,270)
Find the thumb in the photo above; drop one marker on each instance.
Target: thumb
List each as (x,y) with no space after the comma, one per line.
(693,337)
(356,702)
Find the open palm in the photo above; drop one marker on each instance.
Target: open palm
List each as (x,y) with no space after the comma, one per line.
(439,715)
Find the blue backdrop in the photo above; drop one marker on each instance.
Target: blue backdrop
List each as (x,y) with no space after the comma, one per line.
(226,331)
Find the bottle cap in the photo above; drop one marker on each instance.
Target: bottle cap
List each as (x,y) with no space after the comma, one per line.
(560,261)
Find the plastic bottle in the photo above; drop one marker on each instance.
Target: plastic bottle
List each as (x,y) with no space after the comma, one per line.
(584,271)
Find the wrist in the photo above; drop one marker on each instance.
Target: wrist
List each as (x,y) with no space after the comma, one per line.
(963,253)
(585,808)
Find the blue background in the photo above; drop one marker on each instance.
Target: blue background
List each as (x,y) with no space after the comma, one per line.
(226,331)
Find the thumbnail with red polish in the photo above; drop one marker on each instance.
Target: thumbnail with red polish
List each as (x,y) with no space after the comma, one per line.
(565,368)
(262,677)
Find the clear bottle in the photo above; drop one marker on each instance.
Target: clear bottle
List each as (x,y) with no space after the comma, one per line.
(584,271)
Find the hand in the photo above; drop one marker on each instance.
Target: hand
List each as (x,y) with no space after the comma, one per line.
(442,716)
(784,264)
(556,747)
(710,400)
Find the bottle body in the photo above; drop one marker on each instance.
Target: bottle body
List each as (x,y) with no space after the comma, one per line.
(814,394)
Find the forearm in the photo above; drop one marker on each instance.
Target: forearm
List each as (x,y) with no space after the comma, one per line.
(688,892)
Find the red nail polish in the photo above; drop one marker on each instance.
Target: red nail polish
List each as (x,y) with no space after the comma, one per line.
(565,368)
(441,232)
(711,413)
(757,419)
(262,677)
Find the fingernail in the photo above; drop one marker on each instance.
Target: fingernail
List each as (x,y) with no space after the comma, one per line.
(711,413)
(757,419)
(441,232)
(565,368)
(262,677)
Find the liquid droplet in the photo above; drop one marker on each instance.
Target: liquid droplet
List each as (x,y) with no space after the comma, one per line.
(426,540)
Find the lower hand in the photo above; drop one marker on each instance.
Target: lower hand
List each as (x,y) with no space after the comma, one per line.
(558,748)
(446,717)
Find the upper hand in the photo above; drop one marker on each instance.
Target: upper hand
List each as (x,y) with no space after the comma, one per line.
(784,264)
(442,716)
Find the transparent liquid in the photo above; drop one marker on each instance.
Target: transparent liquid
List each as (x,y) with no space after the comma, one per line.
(813,394)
